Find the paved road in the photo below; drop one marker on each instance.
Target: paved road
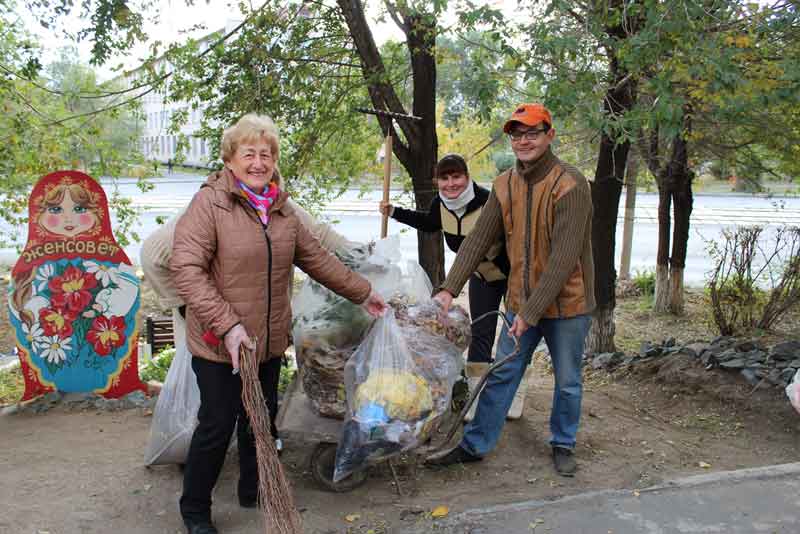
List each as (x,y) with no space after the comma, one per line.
(747,501)
(357,218)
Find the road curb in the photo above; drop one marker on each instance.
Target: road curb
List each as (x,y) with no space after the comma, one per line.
(695,481)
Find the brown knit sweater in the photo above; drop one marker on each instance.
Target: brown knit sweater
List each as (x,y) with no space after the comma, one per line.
(549,246)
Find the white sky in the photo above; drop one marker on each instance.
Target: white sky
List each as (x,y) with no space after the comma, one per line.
(176,17)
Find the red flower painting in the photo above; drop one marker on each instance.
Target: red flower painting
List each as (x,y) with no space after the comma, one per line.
(70,291)
(56,322)
(106,334)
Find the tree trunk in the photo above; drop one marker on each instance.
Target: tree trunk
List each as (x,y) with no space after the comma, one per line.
(683,201)
(661,304)
(661,297)
(421,40)
(417,149)
(602,330)
(676,291)
(606,189)
(630,213)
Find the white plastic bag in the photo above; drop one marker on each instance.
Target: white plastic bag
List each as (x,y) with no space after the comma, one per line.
(398,385)
(175,414)
(793,391)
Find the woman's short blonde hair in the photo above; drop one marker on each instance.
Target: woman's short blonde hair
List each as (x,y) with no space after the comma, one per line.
(252,127)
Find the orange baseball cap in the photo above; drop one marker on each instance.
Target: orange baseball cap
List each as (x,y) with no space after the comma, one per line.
(529,115)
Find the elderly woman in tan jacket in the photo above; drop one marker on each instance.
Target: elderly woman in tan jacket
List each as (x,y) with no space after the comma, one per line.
(232,257)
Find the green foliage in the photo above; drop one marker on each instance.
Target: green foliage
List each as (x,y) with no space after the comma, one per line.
(112,26)
(286,377)
(156,368)
(304,74)
(470,78)
(36,139)
(465,136)
(503,161)
(645,281)
(12,385)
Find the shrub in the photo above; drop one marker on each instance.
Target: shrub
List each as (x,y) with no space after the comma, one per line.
(12,385)
(755,280)
(156,369)
(645,282)
(287,374)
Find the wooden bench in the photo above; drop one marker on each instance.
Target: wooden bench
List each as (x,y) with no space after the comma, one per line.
(159,334)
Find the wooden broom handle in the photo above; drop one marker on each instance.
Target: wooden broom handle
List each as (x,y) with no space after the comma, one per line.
(387,179)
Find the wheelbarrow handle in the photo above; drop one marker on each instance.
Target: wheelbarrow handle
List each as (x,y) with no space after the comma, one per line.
(474,395)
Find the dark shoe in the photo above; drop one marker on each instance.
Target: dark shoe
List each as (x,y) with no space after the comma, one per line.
(564,462)
(200,527)
(455,456)
(246,502)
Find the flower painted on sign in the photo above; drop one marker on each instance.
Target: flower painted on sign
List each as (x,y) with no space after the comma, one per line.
(106,334)
(33,334)
(54,349)
(56,321)
(71,290)
(104,273)
(43,275)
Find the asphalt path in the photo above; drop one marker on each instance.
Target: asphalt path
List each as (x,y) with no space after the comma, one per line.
(746,501)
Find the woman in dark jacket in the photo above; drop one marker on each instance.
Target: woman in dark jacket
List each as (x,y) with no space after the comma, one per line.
(455,211)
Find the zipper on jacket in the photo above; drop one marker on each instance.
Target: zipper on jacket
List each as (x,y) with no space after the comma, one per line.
(269,269)
(269,287)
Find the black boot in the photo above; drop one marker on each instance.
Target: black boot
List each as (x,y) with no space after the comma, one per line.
(202,526)
(455,456)
(564,462)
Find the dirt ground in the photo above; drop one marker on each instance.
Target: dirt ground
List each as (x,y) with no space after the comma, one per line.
(69,473)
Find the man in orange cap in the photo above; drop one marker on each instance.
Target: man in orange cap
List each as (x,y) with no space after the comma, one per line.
(542,207)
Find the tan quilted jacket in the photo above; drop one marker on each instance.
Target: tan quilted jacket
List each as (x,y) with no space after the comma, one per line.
(229,269)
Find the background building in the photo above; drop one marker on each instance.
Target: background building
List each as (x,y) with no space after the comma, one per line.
(157,142)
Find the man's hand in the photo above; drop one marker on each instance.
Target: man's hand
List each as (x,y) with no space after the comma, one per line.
(235,337)
(445,299)
(374,305)
(518,327)
(386,208)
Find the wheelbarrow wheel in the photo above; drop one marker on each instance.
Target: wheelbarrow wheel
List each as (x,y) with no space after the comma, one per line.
(322,463)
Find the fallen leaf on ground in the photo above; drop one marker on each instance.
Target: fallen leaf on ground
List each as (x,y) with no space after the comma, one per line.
(440,511)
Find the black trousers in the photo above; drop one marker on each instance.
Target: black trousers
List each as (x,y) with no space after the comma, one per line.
(220,410)
(483,298)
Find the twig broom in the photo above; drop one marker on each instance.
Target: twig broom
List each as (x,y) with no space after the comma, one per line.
(274,494)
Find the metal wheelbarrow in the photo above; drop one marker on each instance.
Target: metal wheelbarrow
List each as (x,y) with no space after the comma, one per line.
(297,420)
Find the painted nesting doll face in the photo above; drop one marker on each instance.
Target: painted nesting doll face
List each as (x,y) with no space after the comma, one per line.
(68,210)
(74,294)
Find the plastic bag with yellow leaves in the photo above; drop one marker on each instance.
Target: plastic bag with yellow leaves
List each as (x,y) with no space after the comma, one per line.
(393,402)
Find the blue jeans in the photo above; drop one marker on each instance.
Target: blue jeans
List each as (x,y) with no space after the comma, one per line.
(564,338)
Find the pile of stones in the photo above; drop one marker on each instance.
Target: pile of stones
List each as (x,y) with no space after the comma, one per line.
(776,364)
(78,402)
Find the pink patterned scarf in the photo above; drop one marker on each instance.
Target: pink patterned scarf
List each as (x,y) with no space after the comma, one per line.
(263,202)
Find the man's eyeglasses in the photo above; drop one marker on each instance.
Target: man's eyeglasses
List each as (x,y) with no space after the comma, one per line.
(528,135)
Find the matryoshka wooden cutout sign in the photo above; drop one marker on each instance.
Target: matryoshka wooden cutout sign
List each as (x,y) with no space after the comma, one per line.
(74,295)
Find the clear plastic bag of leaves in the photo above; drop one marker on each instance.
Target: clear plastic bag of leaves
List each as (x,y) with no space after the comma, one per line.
(398,385)
(327,328)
